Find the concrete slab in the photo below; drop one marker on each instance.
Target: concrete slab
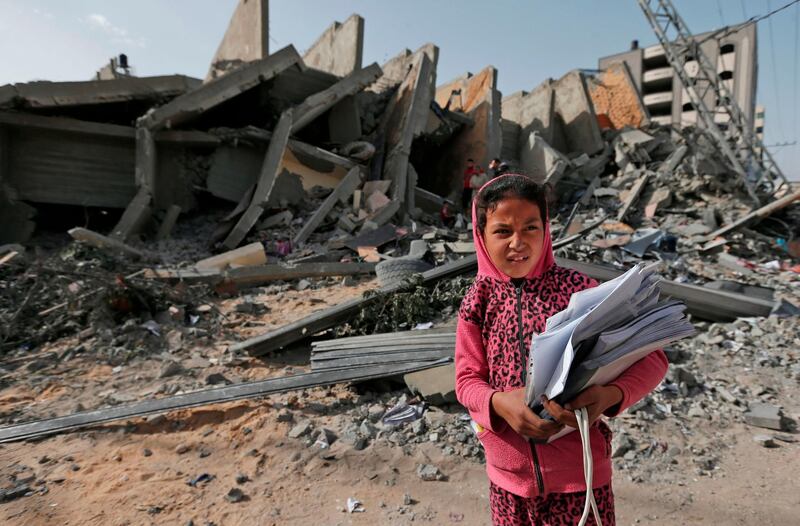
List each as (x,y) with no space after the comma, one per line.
(437,385)
(320,102)
(340,48)
(345,188)
(574,106)
(404,119)
(245,40)
(48,95)
(187,107)
(266,180)
(535,112)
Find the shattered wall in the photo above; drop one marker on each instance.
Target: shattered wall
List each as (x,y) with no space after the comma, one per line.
(616,100)
(481,141)
(339,49)
(246,39)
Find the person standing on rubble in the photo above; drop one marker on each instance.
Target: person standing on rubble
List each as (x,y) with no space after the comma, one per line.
(466,192)
(478,180)
(498,167)
(518,287)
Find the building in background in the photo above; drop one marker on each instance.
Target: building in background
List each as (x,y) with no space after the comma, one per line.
(734,50)
(758,126)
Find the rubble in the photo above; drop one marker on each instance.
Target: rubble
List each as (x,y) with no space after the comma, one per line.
(219,219)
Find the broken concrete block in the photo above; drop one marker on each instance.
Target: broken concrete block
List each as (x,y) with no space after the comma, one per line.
(346,224)
(248,255)
(767,416)
(376,201)
(357,195)
(615,96)
(659,199)
(381,186)
(541,161)
(461,247)
(437,385)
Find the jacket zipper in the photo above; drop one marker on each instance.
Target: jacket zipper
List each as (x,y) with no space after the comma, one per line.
(536,468)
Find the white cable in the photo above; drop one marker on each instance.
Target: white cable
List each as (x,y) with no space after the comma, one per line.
(582,417)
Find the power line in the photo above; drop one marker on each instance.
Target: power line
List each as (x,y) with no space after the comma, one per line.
(744,11)
(721,17)
(731,30)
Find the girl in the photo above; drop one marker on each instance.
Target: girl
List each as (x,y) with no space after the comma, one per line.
(517,288)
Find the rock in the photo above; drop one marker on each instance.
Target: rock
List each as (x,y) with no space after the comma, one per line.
(407,500)
(146,452)
(621,444)
(181,449)
(301,429)
(361,443)
(767,416)
(696,412)
(433,437)
(235,495)
(303,284)
(285,416)
(680,374)
(174,340)
(429,472)
(217,379)
(418,427)
(375,412)
(765,441)
(367,430)
(241,478)
(327,436)
(437,385)
(170,368)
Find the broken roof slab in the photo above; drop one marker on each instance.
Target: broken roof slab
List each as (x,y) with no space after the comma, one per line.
(213,94)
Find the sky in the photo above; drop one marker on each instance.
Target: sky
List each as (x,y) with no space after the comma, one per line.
(526,40)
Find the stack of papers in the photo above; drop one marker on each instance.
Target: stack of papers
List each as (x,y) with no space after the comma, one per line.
(603,331)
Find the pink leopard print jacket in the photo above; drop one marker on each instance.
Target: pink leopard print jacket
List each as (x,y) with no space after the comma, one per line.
(496,322)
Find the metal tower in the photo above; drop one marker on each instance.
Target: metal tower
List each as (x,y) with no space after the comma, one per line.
(738,143)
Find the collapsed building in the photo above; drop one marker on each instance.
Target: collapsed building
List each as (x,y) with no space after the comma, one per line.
(322,166)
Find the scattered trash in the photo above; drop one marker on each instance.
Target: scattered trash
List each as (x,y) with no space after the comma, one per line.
(354,506)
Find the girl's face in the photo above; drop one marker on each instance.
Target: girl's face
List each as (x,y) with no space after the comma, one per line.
(514,235)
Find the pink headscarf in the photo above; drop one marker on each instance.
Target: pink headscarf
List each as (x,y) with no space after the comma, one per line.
(485,265)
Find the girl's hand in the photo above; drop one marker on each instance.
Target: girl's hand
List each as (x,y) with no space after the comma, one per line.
(511,407)
(596,399)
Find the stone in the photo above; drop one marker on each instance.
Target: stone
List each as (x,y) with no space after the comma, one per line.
(367,430)
(429,473)
(767,416)
(235,495)
(146,452)
(170,368)
(418,427)
(241,478)
(285,416)
(436,385)
(181,449)
(375,412)
(301,429)
(217,379)
(622,444)
(765,441)
(303,284)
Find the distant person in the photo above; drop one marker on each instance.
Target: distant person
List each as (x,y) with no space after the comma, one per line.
(466,193)
(498,167)
(478,180)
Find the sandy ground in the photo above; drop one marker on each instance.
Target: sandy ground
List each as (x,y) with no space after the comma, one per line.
(106,476)
(137,472)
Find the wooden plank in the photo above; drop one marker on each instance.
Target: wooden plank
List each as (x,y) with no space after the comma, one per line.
(219,90)
(343,189)
(252,254)
(205,397)
(633,196)
(266,180)
(318,103)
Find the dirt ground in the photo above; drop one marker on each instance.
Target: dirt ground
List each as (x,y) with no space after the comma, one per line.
(124,474)
(139,472)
